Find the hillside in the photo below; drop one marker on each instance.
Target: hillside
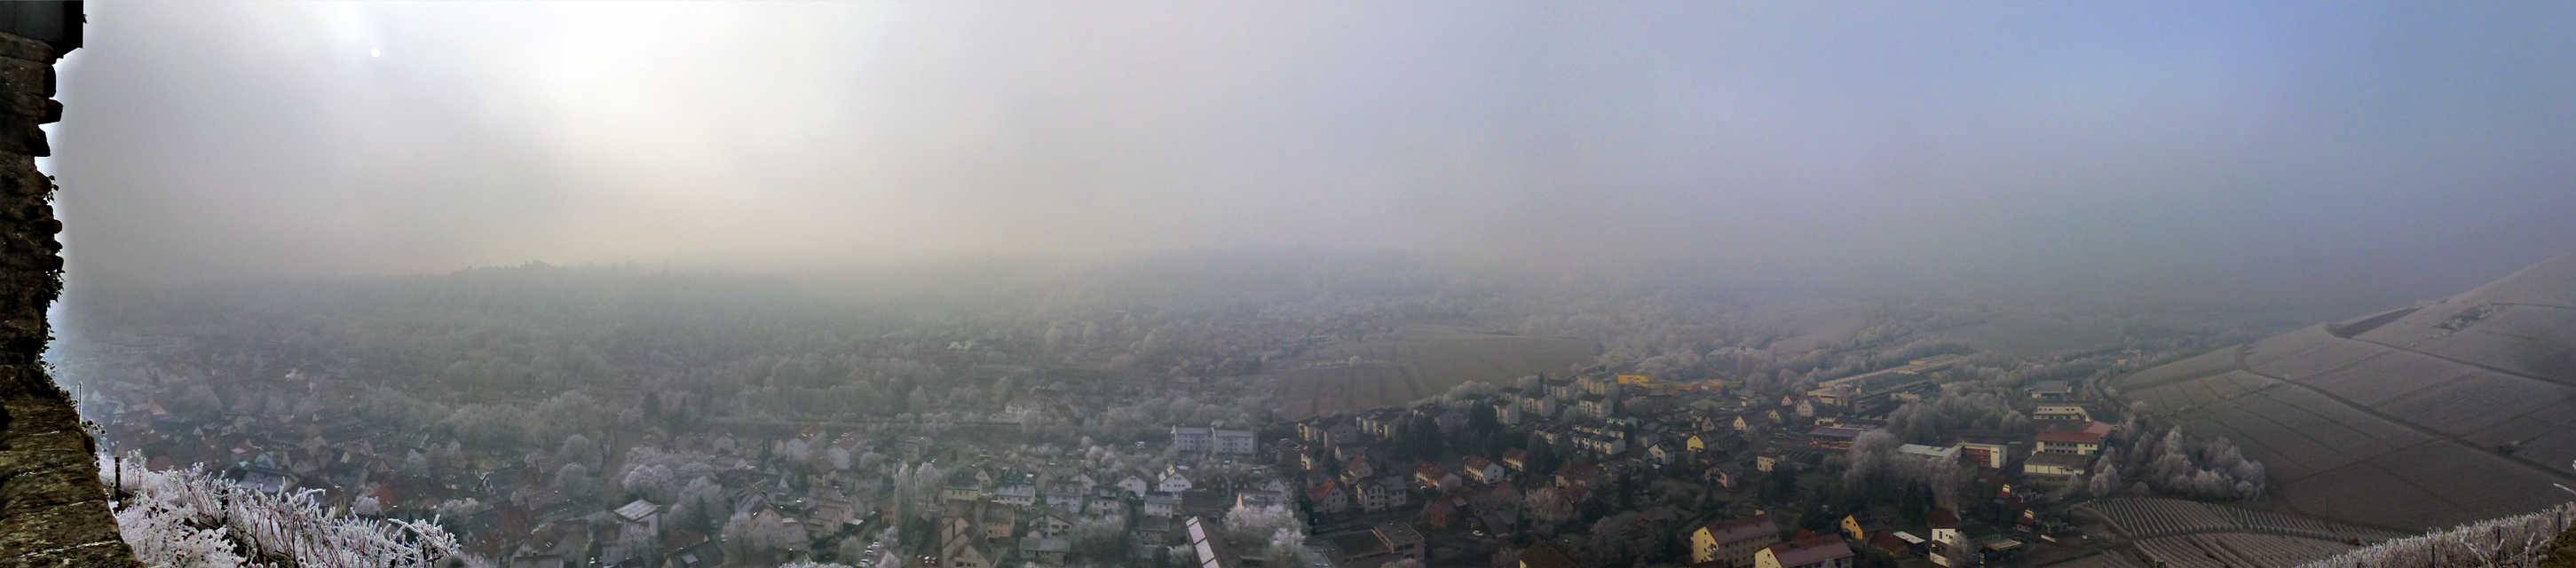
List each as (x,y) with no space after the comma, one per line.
(2413,418)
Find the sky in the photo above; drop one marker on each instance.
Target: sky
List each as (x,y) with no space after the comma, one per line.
(2390,149)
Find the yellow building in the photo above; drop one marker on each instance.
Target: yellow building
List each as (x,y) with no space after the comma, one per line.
(1733,541)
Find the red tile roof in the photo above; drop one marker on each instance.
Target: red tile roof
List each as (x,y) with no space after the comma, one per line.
(2070,437)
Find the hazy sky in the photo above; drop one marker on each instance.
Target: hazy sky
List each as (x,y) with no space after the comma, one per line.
(2408,147)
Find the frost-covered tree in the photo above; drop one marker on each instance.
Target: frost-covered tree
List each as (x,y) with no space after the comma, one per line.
(191,518)
(2105,482)
(1252,526)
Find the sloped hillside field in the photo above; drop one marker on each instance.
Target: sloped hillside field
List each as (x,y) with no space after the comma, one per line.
(2453,412)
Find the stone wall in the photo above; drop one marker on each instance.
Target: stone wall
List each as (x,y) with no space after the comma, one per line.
(53,510)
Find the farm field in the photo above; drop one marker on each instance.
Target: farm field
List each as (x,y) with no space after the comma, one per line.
(1415,362)
(2024,335)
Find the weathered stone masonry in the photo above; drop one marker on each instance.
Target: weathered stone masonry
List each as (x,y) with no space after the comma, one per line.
(53,510)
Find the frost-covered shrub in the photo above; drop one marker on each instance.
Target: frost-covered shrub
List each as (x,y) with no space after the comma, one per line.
(191,518)
(2511,541)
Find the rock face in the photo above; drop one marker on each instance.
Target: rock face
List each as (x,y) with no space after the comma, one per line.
(53,510)
(2416,418)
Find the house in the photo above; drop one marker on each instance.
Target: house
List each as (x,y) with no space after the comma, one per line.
(1481,470)
(1702,441)
(1068,495)
(1897,544)
(1516,459)
(1509,413)
(1329,497)
(642,513)
(1945,535)
(1594,405)
(1381,493)
(1726,475)
(1358,468)
(1579,473)
(1662,454)
(2060,465)
(974,554)
(1380,423)
(2082,443)
(1449,421)
(998,522)
(1236,442)
(2052,391)
(2051,412)
(1326,432)
(1250,498)
(1193,439)
(1433,476)
(1826,551)
(1733,542)
(1135,485)
(1048,551)
(1836,437)
(1546,554)
(1162,504)
(1052,523)
(1383,544)
(1604,445)
(1750,421)
(1990,453)
(1016,494)
(1174,482)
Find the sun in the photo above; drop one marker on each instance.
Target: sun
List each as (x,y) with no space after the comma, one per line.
(375,53)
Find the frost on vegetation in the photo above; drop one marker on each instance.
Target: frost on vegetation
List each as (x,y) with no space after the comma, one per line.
(2511,541)
(190,518)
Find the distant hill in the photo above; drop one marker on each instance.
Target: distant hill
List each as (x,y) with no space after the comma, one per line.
(2415,418)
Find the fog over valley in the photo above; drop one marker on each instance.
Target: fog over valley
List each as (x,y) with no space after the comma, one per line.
(1267,284)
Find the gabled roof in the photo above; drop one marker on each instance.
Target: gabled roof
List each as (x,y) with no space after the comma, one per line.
(1813,550)
(637,510)
(1546,555)
(1322,491)
(1742,528)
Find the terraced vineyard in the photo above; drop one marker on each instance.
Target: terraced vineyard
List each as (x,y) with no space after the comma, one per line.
(2190,534)
(2236,550)
(2413,418)
(2149,517)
